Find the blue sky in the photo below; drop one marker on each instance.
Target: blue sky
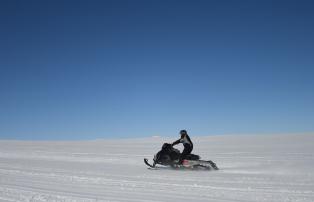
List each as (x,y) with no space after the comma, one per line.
(106,69)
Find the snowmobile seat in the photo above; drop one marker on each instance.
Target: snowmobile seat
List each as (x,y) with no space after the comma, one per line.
(192,157)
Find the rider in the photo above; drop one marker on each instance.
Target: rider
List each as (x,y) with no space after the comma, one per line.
(187,143)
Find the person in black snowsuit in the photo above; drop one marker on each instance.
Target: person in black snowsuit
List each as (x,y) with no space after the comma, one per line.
(187,143)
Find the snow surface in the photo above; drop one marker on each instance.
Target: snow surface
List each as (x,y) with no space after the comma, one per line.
(252,168)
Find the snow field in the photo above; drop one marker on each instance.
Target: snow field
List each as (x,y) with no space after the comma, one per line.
(252,168)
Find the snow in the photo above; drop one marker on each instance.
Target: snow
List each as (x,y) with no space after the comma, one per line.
(252,168)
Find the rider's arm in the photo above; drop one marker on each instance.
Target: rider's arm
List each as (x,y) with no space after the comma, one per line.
(178,141)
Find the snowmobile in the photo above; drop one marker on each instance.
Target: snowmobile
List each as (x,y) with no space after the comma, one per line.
(169,156)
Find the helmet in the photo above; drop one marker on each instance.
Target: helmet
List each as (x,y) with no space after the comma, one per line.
(183,132)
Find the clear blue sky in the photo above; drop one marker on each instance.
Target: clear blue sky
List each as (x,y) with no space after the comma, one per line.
(105,69)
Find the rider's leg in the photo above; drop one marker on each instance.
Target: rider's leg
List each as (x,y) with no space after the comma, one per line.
(187,150)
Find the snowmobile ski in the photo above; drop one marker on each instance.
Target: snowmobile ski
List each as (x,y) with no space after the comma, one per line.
(147,163)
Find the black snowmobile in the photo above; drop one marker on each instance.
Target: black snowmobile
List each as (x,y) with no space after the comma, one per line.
(169,156)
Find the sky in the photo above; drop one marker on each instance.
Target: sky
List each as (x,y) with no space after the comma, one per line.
(73,70)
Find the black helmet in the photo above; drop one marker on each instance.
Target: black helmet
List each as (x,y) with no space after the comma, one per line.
(183,132)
